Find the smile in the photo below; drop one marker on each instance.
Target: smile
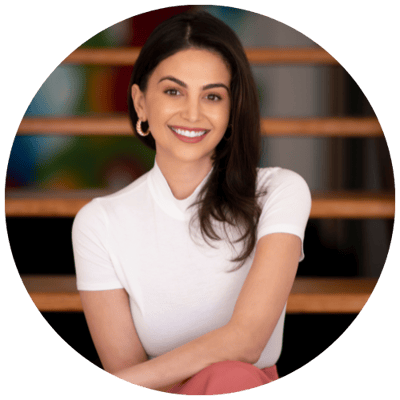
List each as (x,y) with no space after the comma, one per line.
(188,133)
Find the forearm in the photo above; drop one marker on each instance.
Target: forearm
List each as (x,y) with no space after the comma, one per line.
(225,343)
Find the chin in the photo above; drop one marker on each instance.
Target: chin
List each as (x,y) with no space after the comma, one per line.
(191,156)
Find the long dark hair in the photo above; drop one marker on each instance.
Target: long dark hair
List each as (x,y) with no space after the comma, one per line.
(229,195)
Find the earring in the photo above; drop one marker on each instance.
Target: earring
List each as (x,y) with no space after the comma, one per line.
(139,129)
(227,138)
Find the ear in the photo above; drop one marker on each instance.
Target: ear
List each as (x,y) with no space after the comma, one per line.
(139,102)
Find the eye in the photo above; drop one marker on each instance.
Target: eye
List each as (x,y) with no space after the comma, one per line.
(213,97)
(172,92)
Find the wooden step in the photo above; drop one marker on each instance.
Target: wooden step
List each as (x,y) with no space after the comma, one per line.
(22,203)
(53,293)
(126,56)
(111,125)
(356,204)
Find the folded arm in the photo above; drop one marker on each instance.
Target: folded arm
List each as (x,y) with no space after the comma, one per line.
(256,313)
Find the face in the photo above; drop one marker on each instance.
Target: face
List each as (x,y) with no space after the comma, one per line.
(187,105)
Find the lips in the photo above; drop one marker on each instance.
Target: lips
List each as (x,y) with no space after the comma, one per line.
(189,135)
(188,132)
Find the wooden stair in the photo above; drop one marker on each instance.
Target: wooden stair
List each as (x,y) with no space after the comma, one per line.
(20,203)
(53,293)
(126,56)
(119,125)
(58,293)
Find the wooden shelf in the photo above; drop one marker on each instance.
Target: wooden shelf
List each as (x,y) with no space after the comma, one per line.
(120,125)
(126,56)
(53,293)
(21,203)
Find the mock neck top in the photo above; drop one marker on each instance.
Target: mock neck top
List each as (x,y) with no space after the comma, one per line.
(163,196)
(179,288)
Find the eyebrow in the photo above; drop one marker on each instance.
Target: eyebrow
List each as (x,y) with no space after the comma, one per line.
(183,84)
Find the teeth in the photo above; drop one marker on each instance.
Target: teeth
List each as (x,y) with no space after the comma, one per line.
(188,133)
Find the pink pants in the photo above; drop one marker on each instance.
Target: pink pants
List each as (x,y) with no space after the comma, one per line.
(226,377)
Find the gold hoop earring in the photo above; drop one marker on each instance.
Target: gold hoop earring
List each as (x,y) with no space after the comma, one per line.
(139,129)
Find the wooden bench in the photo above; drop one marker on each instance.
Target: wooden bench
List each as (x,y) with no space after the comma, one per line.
(58,293)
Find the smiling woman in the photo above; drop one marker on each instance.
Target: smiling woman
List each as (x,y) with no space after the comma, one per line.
(186,101)
(185,273)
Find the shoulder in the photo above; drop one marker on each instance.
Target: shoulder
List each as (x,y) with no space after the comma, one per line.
(95,214)
(276,180)
(284,190)
(285,200)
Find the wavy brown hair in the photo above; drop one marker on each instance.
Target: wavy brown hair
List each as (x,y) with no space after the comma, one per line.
(229,196)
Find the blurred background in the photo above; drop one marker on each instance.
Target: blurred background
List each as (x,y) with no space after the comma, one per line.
(51,162)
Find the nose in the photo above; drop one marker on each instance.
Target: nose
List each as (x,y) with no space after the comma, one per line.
(191,111)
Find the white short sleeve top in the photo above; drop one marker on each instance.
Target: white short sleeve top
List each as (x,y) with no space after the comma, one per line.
(179,288)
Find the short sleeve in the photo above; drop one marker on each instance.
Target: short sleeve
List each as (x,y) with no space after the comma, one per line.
(287,203)
(93,265)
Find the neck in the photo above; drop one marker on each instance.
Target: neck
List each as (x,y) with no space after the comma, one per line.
(183,177)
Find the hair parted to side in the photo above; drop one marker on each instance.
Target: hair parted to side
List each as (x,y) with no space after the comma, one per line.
(229,195)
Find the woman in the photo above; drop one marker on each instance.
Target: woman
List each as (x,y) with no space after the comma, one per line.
(185,273)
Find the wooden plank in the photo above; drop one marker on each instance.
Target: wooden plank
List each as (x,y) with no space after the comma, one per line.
(355,205)
(53,293)
(20,203)
(329,295)
(120,125)
(327,127)
(48,203)
(44,207)
(294,55)
(93,125)
(127,56)
(116,57)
